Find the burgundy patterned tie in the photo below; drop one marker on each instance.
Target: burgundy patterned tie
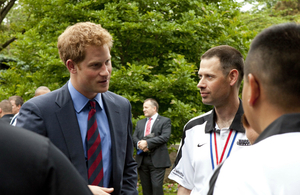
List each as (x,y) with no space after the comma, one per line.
(94,152)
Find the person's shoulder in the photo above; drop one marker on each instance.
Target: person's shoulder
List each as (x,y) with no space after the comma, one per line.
(242,158)
(110,94)
(5,119)
(163,117)
(198,120)
(240,168)
(141,120)
(45,99)
(21,136)
(114,97)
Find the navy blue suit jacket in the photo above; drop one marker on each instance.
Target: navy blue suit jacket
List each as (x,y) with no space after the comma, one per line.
(53,115)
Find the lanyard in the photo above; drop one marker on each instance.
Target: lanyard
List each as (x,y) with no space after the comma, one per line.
(216,148)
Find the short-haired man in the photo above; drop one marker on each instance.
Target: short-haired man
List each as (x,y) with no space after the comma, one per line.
(6,111)
(16,102)
(154,159)
(41,90)
(89,124)
(210,138)
(271,102)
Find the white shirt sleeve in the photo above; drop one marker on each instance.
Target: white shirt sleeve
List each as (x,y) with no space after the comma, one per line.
(184,172)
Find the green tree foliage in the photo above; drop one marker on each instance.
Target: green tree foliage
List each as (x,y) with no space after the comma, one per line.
(288,8)
(156,52)
(11,23)
(271,12)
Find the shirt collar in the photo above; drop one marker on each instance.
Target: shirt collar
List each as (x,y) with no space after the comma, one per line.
(235,125)
(80,101)
(153,117)
(287,123)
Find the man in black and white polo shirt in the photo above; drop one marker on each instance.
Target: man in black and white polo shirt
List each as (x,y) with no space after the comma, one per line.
(210,138)
(271,96)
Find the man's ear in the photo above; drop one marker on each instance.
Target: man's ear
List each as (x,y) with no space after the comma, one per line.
(71,66)
(233,76)
(254,89)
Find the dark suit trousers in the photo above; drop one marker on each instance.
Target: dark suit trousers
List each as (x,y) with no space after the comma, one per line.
(151,178)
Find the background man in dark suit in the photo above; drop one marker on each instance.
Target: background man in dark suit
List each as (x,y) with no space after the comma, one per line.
(31,164)
(62,115)
(6,111)
(16,102)
(154,159)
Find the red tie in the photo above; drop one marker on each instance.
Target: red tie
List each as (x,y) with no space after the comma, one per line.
(94,151)
(148,127)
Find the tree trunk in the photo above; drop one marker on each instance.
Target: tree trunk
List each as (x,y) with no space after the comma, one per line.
(5,9)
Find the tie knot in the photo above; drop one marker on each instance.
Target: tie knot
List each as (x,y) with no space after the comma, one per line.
(93,104)
(150,119)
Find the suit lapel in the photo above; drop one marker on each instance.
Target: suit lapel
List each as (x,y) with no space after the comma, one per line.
(114,119)
(112,111)
(156,122)
(70,129)
(142,129)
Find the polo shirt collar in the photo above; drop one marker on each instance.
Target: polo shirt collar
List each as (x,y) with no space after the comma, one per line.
(235,125)
(287,123)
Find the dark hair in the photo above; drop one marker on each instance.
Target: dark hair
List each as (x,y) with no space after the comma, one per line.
(18,100)
(153,102)
(274,59)
(230,58)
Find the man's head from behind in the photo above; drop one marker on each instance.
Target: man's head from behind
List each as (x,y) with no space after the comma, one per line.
(220,73)
(41,90)
(5,108)
(16,102)
(272,73)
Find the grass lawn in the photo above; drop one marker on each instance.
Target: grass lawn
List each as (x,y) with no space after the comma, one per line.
(169,188)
